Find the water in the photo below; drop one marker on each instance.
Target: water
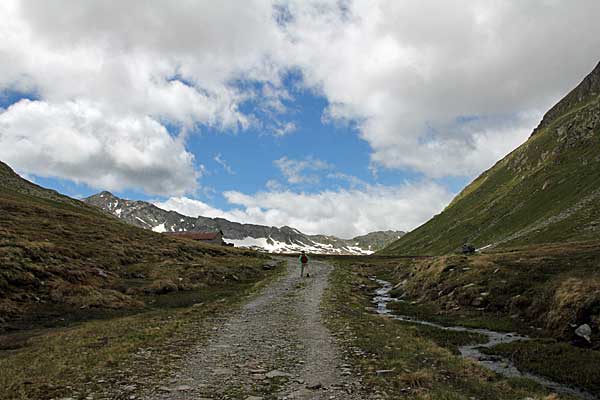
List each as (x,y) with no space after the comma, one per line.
(497,364)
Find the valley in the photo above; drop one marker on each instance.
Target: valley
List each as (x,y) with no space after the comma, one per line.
(98,301)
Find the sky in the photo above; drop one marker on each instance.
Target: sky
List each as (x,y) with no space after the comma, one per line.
(334,117)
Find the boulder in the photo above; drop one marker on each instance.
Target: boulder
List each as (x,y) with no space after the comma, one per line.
(584,331)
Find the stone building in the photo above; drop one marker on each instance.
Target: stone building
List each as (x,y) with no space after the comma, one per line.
(204,237)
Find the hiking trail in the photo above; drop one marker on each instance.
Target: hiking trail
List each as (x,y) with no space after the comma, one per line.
(274,347)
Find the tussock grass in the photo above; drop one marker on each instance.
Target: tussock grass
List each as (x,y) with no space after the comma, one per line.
(89,304)
(422,366)
(542,291)
(558,361)
(103,356)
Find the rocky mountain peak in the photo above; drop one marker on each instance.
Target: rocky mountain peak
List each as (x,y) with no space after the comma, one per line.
(269,238)
(587,89)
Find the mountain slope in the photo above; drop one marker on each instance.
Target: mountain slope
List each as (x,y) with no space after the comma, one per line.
(546,190)
(61,258)
(272,239)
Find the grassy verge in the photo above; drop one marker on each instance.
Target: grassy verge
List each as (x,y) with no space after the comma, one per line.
(558,361)
(116,357)
(413,362)
(430,311)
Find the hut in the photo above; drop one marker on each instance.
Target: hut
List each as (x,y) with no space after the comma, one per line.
(204,237)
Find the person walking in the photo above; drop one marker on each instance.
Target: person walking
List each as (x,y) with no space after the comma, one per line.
(304,264)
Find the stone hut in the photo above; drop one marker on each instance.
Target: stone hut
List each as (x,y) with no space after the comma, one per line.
(204,237)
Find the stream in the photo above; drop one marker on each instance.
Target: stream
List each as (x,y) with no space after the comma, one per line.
(495,363)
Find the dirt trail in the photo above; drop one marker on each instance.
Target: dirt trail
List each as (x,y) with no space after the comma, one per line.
(275,347)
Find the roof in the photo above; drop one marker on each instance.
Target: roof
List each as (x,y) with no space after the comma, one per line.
(196,235)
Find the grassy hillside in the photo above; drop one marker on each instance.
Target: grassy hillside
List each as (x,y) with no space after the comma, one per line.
(547,190)
(61,259)
(92,306)
(544,291)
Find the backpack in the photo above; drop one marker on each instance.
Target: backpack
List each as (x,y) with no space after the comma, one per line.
(303,259)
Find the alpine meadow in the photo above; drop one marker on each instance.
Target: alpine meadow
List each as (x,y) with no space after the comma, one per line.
(287,199)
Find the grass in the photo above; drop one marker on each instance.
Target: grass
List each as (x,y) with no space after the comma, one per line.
(540,291)
(470,319)
(89,304)
(421,361)
(555,171)
(60,257)
(104,356)
(557,360)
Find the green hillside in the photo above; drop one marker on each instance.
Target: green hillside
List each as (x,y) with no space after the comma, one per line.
(61,259)
(547,190)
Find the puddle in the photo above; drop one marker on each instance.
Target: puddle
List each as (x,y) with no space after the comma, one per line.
(497,364)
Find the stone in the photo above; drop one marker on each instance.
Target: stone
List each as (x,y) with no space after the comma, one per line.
(315,386)
(222,371)
(277,374)
(477,302)
(183,388)
(384,371)
(584,331)
(258,371)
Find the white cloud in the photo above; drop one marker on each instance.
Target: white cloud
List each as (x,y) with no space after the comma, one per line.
(286,128)
(407,73)
(190,207)
(133,62)
(407,70)
(344,213)
(78,141)
(224,164)
(301,171)
(274,185)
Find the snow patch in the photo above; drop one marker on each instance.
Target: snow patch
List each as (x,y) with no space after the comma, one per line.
(273,246)
(160,228)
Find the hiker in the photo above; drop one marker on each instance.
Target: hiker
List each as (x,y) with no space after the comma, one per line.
(304,264)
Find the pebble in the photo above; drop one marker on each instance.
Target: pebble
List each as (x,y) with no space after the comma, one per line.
(277,374)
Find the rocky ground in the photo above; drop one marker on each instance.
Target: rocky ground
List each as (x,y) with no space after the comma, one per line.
(275,347)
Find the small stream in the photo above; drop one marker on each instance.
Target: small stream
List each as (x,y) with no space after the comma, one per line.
(497,364)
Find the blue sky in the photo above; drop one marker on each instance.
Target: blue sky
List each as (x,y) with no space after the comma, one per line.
(341,118)
(250,154)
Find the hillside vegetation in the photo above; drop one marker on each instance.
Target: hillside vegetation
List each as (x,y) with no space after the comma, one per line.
(90,305)
(62,259)
(547,190)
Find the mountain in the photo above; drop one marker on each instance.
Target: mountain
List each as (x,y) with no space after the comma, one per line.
(269,238)
(547,190)
(63,260)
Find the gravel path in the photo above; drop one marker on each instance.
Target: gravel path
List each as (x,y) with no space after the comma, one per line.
(275,347)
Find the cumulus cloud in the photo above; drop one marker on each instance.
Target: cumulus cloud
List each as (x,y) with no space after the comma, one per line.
(191,207)
(410,71)
(79,141)
(140,62)
(344,213)
(442,88)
